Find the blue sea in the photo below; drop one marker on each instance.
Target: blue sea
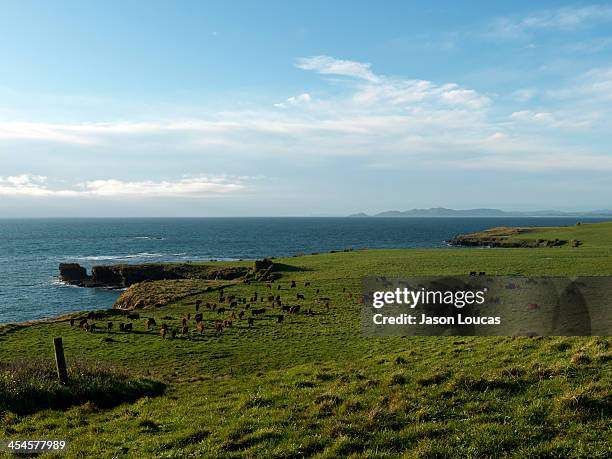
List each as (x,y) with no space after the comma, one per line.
(31,250)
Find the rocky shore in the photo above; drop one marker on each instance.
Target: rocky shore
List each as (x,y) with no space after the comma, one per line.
(121,276)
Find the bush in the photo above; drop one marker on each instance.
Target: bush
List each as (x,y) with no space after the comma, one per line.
(30,386)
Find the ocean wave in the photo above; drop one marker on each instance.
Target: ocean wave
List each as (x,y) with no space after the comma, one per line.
(151,238)
(117,257)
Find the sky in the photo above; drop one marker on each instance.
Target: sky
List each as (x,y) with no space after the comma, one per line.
(314,108)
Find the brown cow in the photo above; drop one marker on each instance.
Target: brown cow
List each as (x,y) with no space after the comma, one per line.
(163,331)
(185,330)
(151,323)
(184,322)
(200,327)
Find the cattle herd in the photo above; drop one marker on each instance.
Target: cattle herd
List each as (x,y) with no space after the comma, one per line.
(228,309)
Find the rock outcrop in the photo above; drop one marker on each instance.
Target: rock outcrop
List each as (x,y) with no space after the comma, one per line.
(121,276)
(73,273)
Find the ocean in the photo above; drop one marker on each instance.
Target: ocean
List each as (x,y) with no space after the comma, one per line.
(31,249)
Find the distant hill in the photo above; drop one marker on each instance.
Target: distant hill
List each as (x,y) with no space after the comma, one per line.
(443,212)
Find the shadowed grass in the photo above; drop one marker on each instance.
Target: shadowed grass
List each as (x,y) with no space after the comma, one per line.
(28,386)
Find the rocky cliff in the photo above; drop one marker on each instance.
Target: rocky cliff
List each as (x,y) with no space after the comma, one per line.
(121,276)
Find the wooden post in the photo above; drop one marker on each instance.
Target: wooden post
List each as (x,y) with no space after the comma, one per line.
(60,361)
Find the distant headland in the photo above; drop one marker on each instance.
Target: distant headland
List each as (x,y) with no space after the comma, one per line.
(444,212)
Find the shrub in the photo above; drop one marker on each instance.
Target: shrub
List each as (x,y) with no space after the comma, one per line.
(30,386)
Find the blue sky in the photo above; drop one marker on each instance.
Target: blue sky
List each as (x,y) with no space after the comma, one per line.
(312,108)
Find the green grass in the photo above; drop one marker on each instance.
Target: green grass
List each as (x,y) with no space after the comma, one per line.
(591,235)
(28,386)
(313,386)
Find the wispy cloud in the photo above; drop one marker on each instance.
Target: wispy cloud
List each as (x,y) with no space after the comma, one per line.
(565,18)
(194,187)
(330,66)
(404,120)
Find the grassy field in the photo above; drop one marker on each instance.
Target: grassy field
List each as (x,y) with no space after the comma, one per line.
(313,386)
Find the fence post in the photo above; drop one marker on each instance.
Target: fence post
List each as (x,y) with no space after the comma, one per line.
(60,361)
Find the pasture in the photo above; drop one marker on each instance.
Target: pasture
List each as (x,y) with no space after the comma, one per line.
(310,385)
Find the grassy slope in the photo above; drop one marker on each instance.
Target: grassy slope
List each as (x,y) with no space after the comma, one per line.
(593,235)
(314,385)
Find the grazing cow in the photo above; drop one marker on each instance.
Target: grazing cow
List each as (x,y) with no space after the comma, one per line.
(86,327)
(472,273)
(482,273)
(92,328)
(240,314)
(269,286)
(121,326)
(163,331)
(279,287)
(128,327)
(151,323)
(294,309)
(184,322)
(220,310)
(208,306)
(173,333)
(307,284)
(218,326)
(271,298)
(280,318)
(197,305)
(258,311)
(133,316)
(199,317)
(221,299)
(82,322)
(109,326)
(251,321)
(317,291)
(247,306)
(227,323)
(327,305)
(286,308)
(300,296)
(233,315)
(185,331)
(200,327)
(72,321)
(293,284)
(233,304)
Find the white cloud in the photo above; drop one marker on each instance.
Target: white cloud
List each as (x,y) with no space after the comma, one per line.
(373,115)
(566,18)
(195,187)
(301,99)
(330,66)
